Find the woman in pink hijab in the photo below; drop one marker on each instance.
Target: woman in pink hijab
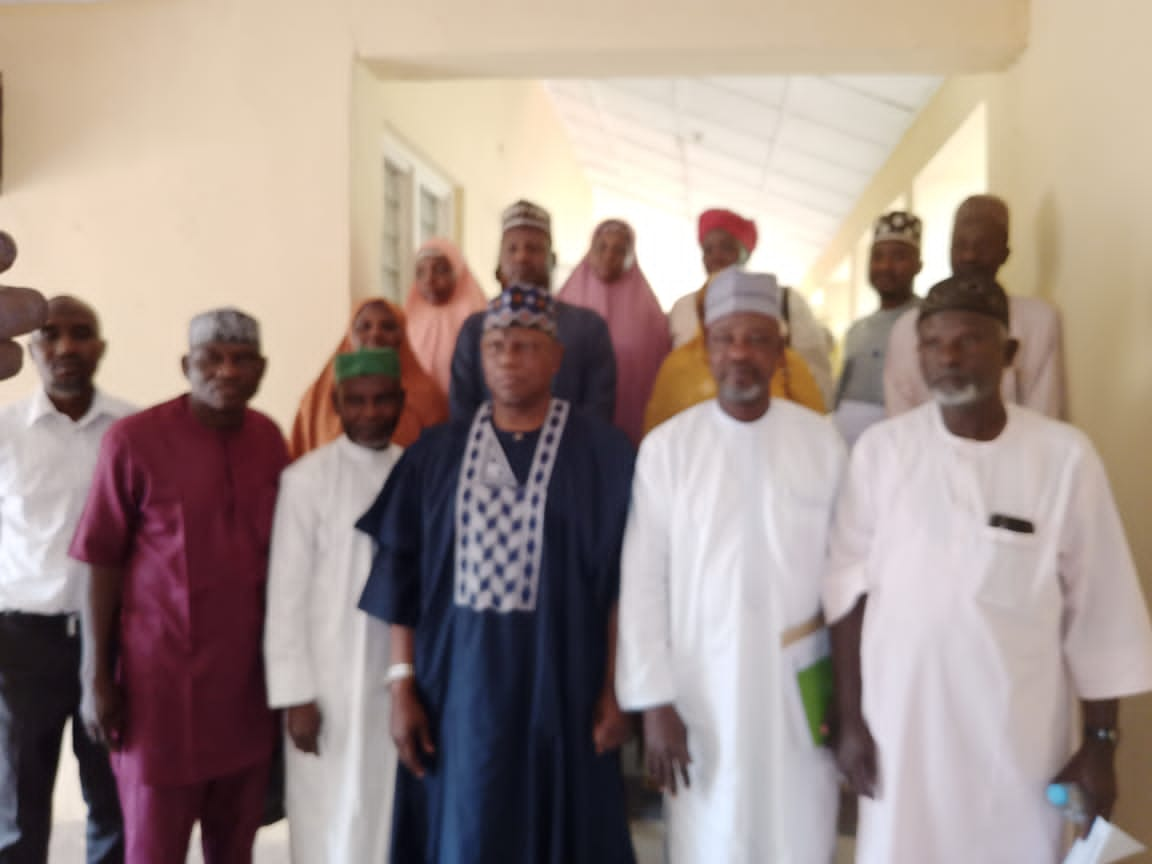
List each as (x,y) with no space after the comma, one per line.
(441,296)
(609,281)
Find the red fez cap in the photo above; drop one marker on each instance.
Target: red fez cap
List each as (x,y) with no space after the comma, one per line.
(744,230)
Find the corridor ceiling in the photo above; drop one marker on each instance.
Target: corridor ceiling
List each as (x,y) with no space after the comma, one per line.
(794,153)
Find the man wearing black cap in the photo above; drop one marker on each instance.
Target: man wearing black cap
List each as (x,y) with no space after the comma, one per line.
(587,374)
(978,581)
(1036,376)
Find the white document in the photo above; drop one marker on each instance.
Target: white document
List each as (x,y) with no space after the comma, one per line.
(1104,844)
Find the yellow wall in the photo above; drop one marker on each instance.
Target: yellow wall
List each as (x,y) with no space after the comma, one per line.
(496,140)
(162,158)
(1069,149)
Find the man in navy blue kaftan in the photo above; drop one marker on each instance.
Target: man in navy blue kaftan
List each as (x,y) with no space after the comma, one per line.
(498,569)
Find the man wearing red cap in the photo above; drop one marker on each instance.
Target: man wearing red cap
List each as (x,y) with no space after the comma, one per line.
(727,239)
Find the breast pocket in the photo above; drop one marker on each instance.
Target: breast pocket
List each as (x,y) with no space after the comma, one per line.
(1011,562)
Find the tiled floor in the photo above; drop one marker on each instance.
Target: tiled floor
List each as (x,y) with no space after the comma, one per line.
(271,843)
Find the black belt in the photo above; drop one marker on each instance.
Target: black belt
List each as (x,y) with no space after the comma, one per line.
(69,622)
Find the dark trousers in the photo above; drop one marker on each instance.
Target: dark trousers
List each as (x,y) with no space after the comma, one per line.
(39,693)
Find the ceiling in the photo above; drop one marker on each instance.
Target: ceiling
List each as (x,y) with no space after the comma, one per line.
(792,152)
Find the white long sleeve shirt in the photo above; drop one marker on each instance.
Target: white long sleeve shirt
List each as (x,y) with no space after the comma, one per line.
(46,465)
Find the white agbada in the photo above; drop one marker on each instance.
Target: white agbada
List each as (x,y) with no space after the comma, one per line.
(723,554)
(977,639)
(319,646)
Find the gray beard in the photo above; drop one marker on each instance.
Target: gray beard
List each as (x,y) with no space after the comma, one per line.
(966,395)
(741,395)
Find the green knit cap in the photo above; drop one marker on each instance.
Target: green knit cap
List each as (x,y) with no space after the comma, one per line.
(367,361)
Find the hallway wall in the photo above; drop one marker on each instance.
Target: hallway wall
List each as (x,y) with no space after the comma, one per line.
(162,158)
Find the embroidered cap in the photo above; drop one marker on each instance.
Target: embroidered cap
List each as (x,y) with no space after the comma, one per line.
(977,294)
(734,290)
(522,306)
(525,214)
(898,226)
(367,361)
(223,325)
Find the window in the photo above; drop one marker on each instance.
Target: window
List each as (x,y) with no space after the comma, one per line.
(417,206)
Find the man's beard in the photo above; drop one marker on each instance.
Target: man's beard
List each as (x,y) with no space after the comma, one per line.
(965,395)
(741,395)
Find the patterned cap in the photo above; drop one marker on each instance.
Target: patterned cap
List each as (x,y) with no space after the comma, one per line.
(223,325)
(977,294)
(734,290)
(525,214)
(522,306)
(899,226)
(367,361)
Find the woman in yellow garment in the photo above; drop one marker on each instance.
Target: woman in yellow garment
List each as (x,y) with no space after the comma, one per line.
(685,380)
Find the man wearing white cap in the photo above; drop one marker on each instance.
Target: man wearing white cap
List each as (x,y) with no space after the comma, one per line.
(721,642)
(587,374)
(176,532)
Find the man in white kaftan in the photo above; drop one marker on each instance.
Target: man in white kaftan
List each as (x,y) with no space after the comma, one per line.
(985,569)
(720,602)
(1036,377)
(325,659)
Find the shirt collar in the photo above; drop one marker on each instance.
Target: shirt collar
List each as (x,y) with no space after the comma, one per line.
(41,406)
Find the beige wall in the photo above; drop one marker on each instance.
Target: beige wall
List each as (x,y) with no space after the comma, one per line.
(1069,148)
(162,158)
(497,140)
(454,38)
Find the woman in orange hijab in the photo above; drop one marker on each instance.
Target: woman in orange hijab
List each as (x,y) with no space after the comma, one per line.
(376,323)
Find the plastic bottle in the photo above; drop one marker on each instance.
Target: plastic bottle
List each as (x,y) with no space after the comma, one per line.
(1069,797)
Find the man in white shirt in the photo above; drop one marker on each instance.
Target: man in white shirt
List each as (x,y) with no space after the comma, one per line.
(1036,377)
(727,239)
(324,660)
(48,448)
(721,637)
(978,581)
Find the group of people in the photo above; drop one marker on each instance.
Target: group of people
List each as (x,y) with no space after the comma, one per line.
(459,587)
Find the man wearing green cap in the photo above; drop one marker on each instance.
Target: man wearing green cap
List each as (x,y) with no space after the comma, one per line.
(325,661)
(497,569)
(978,582)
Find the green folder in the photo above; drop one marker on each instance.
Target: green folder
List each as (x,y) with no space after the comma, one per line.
(816,695)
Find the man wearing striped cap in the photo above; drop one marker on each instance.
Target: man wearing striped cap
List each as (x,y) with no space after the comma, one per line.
(498,567)
(586,376)
(325,660)
(893,263)
(722,646)
(175,530)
